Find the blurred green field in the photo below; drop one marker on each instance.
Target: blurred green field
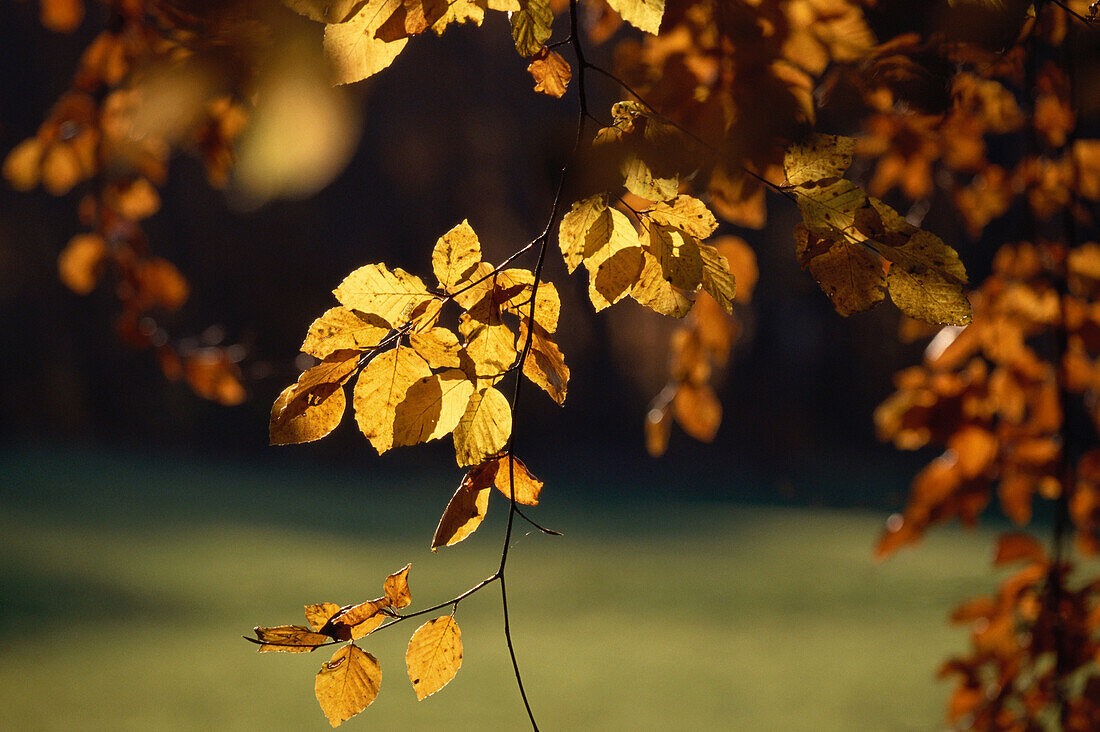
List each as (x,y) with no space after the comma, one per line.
(125,587)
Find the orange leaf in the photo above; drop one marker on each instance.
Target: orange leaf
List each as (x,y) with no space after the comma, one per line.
(1016,547)
(396,588)
(550,71)
(434,655)
(466,509)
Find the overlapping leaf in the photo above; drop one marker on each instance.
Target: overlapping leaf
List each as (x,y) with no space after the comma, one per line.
(347,683)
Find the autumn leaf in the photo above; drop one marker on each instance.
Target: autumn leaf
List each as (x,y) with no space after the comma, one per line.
(686,214)
(318,615)
(545,364)
(439,347)
(434,655)
(1018,546)
(531,26)
(642,14)
(411,18)
(81,261)
(465,511)
(718,281)
(339,329)
(456,256)
(697,410)
(681,261)
(347,683)
(850,275)
(528,487)
(288,639)
(376,291)
(312,407)
(550,71)
(432,407)
(381,387)
(586,215)
(484,428)
(396,587)
(353,47)
(656,293)
(818,159)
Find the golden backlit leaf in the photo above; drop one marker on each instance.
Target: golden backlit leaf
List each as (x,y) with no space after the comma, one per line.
(456,256)
(347,683)
(413,17)
(465,511)
(289,639)
(547,302)
(484,428)
(642,179)
(613,279)
(681,261)
(432,407)
(847,272)
(551,72)
(573,232)
(531,26)
(382,385)
(686,214)
(818,158)
(340,328)
(717,280)
(353,47)
(318,615)
(492,347)
(326,11)
(656,293)
(396,587)
(545,364)
(355,621)
(439,347)
(79,264)
(926,280)
(434,655)
(311,420)
(697,410)
(642,14)
(528,487)
(375,290)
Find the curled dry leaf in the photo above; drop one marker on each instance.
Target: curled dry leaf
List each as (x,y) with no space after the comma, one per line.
(465,511)
(396,588)
(288,639)
(551,72)
(434,655)
(347,683)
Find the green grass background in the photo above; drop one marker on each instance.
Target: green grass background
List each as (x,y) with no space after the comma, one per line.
(126,584)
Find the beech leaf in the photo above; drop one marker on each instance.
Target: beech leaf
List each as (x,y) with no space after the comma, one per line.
(718,282)
(432,407)
(484,428)
(456,256)
(465,511)
(326,11)
(551,72)
(340,329)
(642,14)
(545,364)
(575,226)
(396,587)
(353,47)
(531,26)
(347,683)
(382,385)
(686,214)
(375,290)
(289,639)
(318,615)
(434,655)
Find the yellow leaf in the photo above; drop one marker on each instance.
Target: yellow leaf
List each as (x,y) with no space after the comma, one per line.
(484,428)
(851,276)
(461,11)
(681,261)
(412,17)
(353,47)
(382,385)
(531,25)
(312,407)
(289,639)
(717,280)
(318,615)
(456,256)
(641,179)
(340,328)
(491,346)
(356,621)
(615,276)
(434,655)
(439,347)
(307,422)
(575,226)
(547,302)
(685,214)
(326,11)
(819,158)
(465,511)
(80,263)
(396,588)
(545,364)
(642,14)
(375,290)
(654,291)
(347,684)
(551,72)
(432,407)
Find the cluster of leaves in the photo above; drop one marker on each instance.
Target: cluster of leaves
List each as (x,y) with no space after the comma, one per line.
(349,682)
(1013,395)
(93,138)
(1027,641)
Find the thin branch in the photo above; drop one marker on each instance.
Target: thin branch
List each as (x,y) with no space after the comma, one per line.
(537,525)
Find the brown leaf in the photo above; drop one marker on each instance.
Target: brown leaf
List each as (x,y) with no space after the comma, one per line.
(289,639)
(434,655)
(356,621)
(697,410)
(318,615)
(528,486)
(308,421)
(550,71)
(545,364)
(1016,547)
(396,588)
(347,684)
(465,511)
